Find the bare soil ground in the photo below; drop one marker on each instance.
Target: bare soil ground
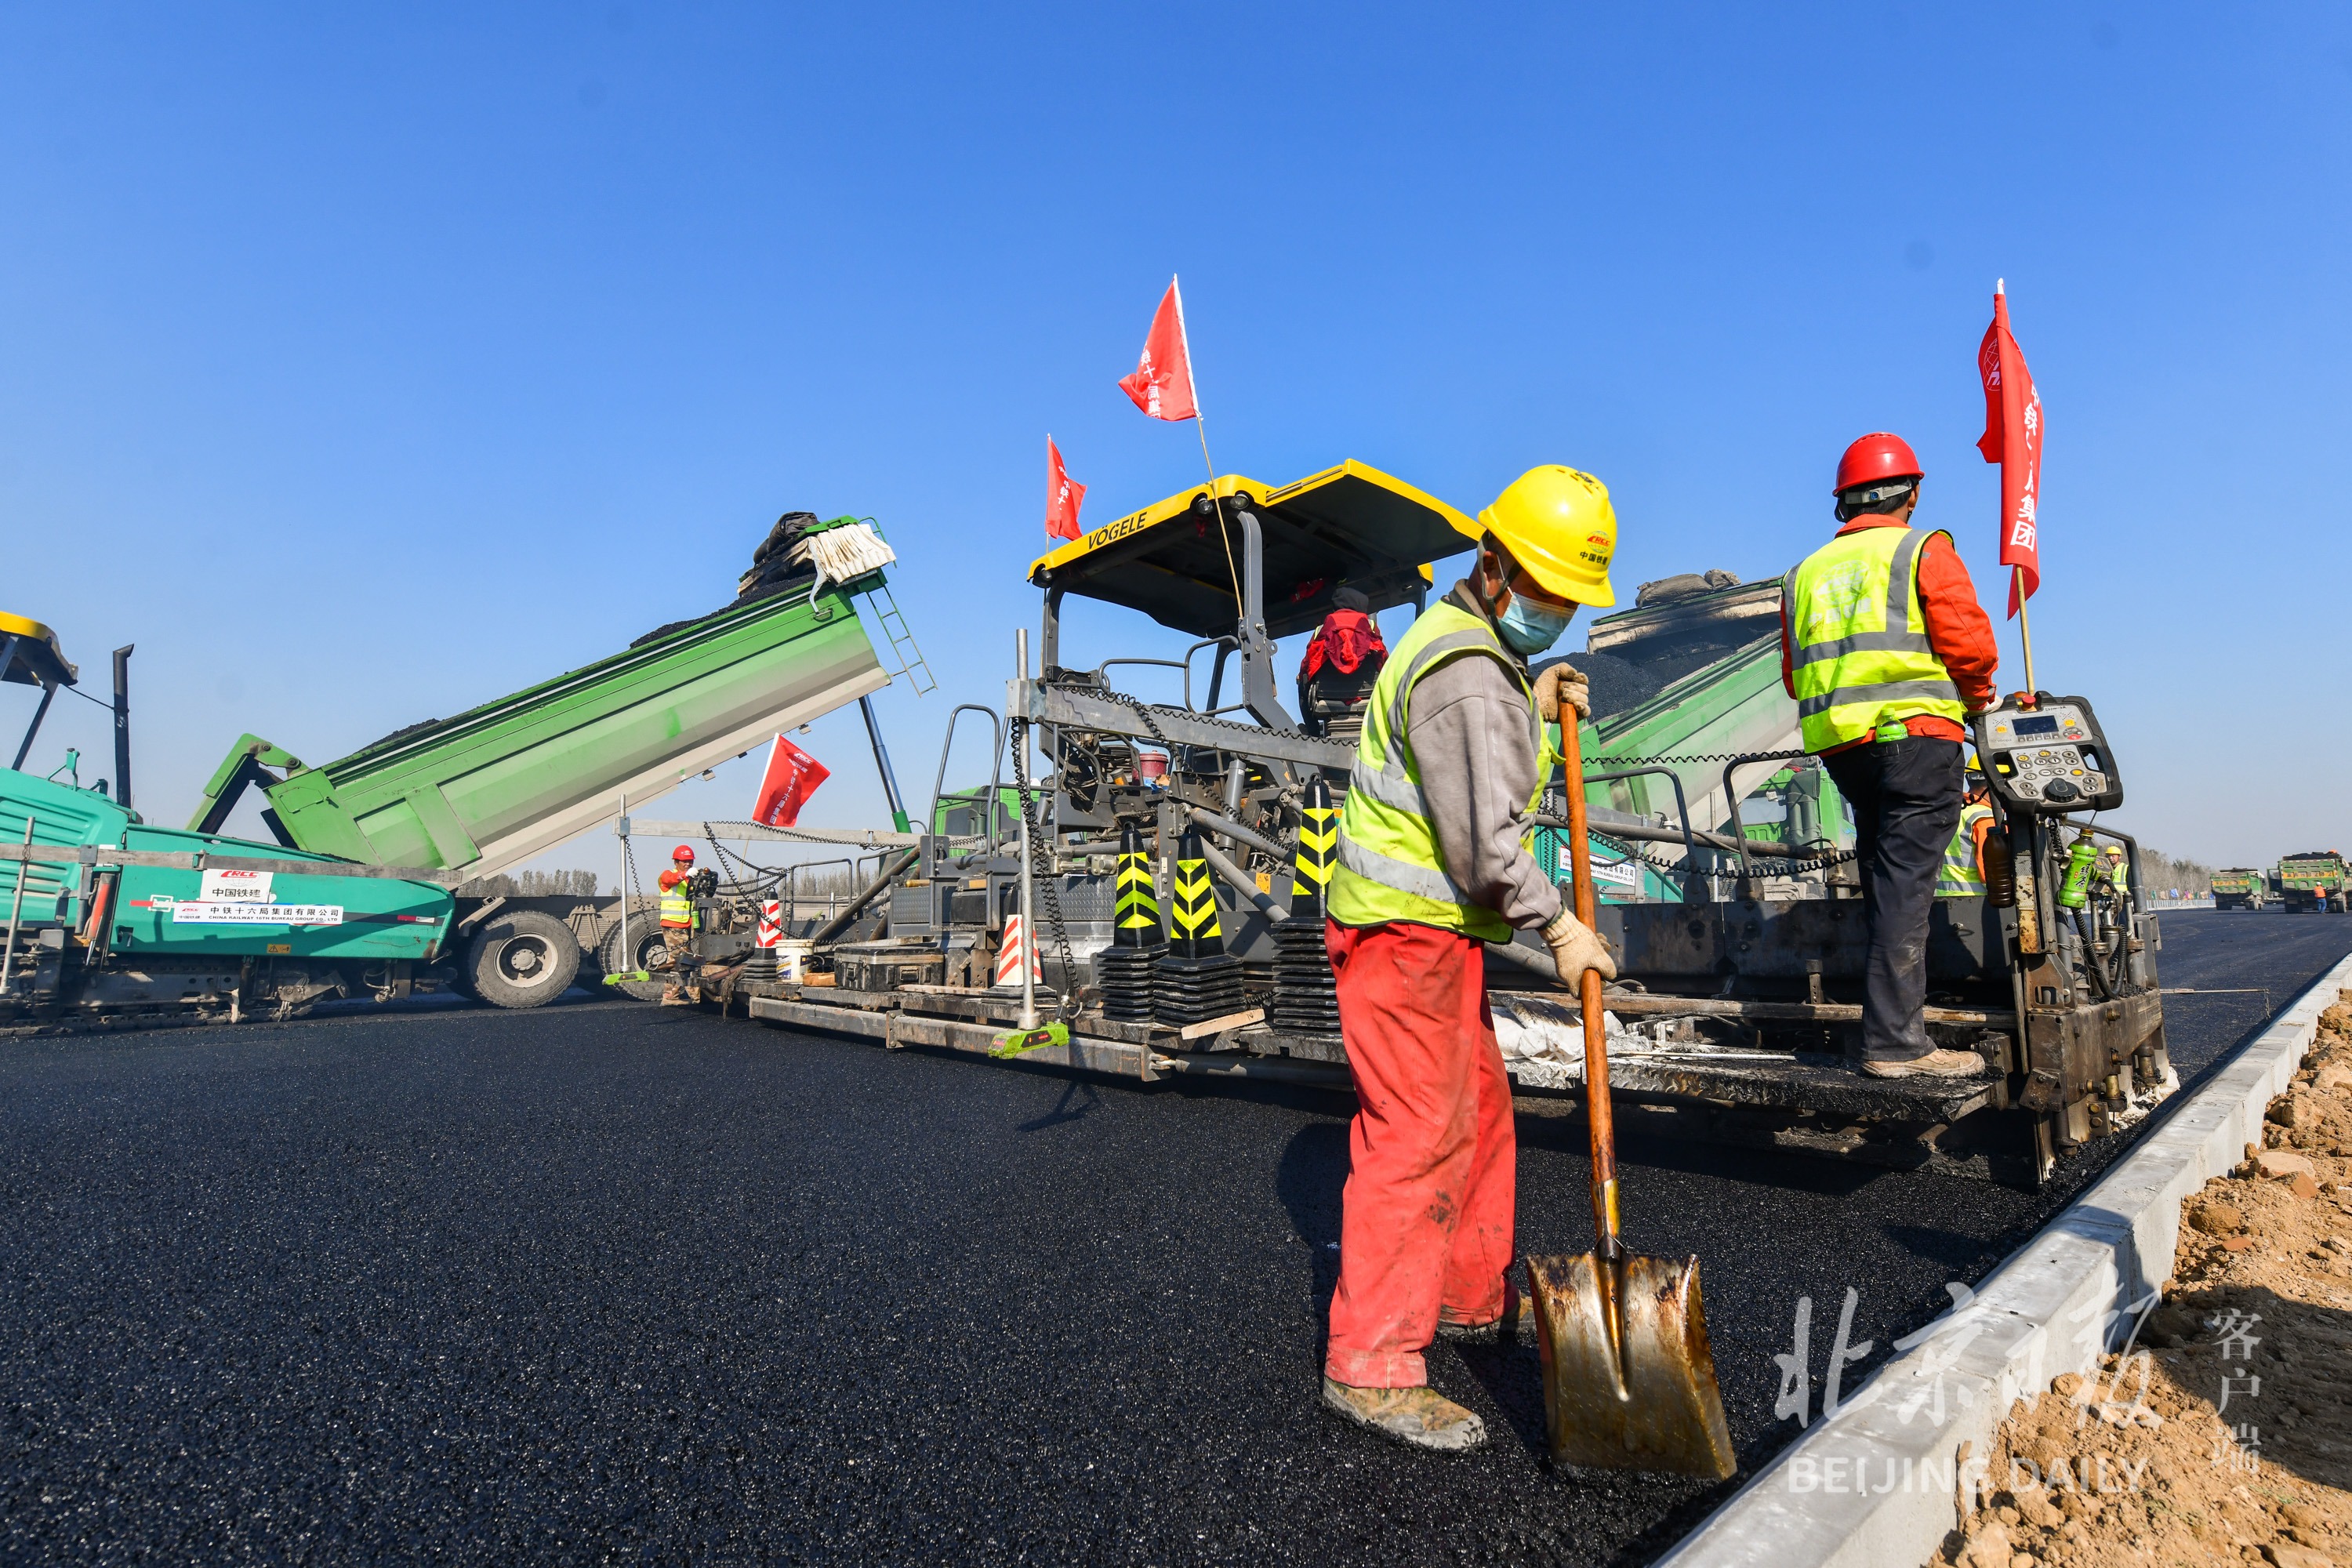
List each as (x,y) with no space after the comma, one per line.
(2225,1434)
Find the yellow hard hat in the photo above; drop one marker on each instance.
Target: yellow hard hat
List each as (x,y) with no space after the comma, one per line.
(2117,850)
(1558,524)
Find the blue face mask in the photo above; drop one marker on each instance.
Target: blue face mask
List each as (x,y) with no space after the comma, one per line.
(1529,628)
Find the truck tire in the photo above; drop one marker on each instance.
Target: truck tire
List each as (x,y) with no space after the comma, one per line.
(645,938)
(522,960)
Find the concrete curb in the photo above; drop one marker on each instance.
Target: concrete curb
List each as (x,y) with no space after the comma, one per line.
(1881,1481)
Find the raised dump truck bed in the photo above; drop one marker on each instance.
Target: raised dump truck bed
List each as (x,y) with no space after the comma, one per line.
(139,916)
(501,783)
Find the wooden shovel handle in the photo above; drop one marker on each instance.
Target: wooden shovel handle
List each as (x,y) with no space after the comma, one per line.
(1596,1047)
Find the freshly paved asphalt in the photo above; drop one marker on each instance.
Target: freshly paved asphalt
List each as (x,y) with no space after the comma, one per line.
(602,1283)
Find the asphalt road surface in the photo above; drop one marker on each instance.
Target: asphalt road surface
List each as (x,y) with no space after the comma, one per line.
(603,1282)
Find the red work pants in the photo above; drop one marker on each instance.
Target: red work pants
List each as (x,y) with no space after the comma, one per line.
(1432,1154)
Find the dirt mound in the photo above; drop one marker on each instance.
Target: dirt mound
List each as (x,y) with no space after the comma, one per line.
(2225,1434)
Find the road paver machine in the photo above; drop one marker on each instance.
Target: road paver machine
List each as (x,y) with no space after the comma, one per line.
(1176,851)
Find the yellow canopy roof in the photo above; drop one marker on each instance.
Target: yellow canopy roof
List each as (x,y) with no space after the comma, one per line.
(37,659)
(1350,525)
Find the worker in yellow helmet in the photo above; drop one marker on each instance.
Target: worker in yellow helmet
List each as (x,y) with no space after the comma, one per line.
(1433,863)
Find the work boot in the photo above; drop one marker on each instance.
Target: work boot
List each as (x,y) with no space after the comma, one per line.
(1500,1329)
(1421,1417)
(1937,1063)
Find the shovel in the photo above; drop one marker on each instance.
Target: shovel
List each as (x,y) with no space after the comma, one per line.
(1628,1380)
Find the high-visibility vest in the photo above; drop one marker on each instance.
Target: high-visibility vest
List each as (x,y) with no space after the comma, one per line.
(1861,655)
(678,905)
(1961,877)
(2118,874)
(1389,867)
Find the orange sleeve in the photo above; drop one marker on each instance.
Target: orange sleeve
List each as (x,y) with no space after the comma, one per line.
(1957,628)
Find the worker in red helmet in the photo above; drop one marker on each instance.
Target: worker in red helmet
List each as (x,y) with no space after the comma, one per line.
(1887,653)
(677,922)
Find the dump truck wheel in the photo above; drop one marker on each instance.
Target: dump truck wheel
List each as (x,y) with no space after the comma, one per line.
(646,937)
(522,960)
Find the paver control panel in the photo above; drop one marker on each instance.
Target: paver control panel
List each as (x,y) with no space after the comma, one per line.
(2049,757)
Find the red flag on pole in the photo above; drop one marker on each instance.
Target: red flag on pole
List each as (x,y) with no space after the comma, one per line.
(791,777)
(1163,383)
(2012,437)
(1063,496)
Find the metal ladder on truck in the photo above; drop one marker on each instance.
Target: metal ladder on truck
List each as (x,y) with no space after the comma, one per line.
(901,639)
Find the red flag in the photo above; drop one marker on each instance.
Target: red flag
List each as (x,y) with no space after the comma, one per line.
(1163,383)
(2012,438)
(791,777)
(1063,496)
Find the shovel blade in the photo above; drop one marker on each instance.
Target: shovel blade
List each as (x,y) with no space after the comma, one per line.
(1628,1379)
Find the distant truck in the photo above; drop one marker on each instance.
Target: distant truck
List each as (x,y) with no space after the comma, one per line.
(2313,882)
(2240,887)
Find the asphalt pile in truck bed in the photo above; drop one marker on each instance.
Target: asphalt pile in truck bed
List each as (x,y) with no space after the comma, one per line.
(773,571)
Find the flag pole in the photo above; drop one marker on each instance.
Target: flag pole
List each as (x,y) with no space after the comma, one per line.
(1201,425)
(2016,574)
(2024,624)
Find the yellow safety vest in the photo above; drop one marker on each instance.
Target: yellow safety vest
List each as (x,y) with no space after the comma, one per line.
(1388,866)
(1861,657)
(677,906)
(1960,877)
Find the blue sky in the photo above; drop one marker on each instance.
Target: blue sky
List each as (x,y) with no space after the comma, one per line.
(361,366)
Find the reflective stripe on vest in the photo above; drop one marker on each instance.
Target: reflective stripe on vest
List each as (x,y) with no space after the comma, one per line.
(1861,656)
(677,907)
(1959,877)
(1389,867)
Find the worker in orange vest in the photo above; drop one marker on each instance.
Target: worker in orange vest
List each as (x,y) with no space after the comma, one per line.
(677,921)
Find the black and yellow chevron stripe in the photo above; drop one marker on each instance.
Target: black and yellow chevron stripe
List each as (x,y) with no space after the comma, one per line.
(1139,906)
(1195,902)
(1318,851)
(1319,847)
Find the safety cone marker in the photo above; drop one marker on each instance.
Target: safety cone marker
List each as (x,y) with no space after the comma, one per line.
(1008,956)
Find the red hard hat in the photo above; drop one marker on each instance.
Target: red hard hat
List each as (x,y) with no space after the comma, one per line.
(683,852)
(1877,455)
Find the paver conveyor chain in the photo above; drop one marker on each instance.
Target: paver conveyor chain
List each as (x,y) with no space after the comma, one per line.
(1041,853)
(761,879)
(1711,757)
(1143,712)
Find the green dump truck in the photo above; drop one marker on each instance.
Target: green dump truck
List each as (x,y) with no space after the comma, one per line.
(2240,887)
(110,914)
(2313,882)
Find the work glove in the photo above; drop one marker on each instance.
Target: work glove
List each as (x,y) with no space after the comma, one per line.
(1577,947)
(1561,685)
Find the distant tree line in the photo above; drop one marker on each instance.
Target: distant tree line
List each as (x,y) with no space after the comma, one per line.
(2159,871)
(531,885)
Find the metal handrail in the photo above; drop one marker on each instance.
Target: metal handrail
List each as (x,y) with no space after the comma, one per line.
(1228,642)
(1731,803)
(1681,808)
(793,888)
(1162,663)
(995,770)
